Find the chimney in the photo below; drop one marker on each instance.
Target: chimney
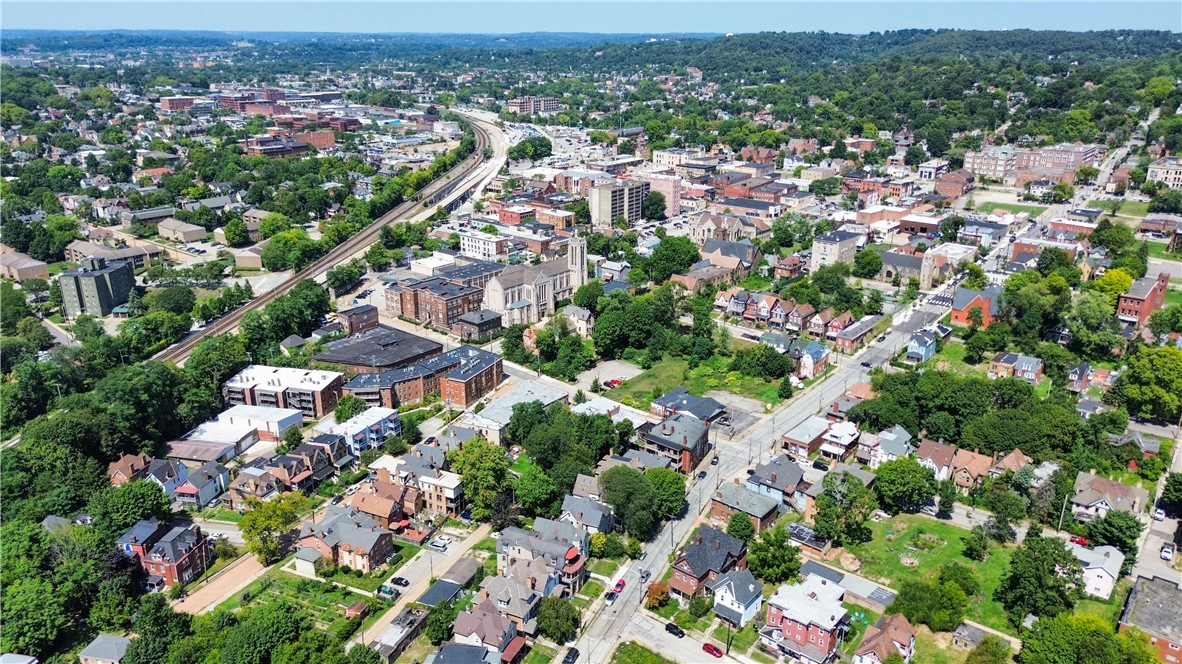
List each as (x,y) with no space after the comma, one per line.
(717,544)
(685,440)
(773,478)
(718,494)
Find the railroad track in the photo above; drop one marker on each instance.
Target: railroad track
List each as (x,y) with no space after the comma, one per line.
(432,193)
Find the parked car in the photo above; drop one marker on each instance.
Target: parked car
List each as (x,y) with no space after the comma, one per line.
(702,475)
(400,581)
(1159,514)
(821,465)
(1167,551)
(714,462)
(572,656)
(929,510)
(610,598)
(336,500)
(644,575)
(712,649)
(620,585)
(673,629)
(1076,539)
(438,546)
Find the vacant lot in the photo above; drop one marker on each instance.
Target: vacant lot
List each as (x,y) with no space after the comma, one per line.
(1032,210)
(1127,208)
(951,358)
(933,543)
(712,374)
(1158,250)
(631,653)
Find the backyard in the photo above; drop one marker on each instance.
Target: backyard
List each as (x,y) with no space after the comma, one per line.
(1173,297)
(372,581)
(936,648)
(1158,250)
(1032,210)
(928,544)
(709,375)
(540,654)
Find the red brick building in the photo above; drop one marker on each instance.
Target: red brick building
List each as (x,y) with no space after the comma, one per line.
(954,184)
(181,555)
(966,299)
(461,377)
(806,620)
(321,140)
(710,555)
(129,467)
(176,103)
(1145,296)
(358,319)
(436,301)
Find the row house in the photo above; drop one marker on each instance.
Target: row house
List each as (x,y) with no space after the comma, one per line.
(969,469)
(732,499)
(800,317)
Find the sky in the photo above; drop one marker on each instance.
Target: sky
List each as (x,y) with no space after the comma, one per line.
(606,16)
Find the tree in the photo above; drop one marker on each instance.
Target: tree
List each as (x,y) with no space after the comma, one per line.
(991,650)
(699,606)
(975,277)
(1152,385)
(976,544)
(588,296)
(669,486)
(535,491)
(13,307)
(264,526)
(236,232)
(653,206)
(176,299)
(1119,529)
(484,468)
(365,655)
(740,526)
(348,407)
(867,264)
(272,224)
(378,257)
(1112,284)
(34,333)
(34,615)
(215,359)
(843,508)
(1083,638)
(157,627)
(1171,496)
(117,508)
(772,557)
(1042,579)
(262,631)
(632,498)
(940,606)
(962,575)
(1008,508)
(903,485)
(914,156)
(657,595)
(785,390)
(558,619)
(673,256)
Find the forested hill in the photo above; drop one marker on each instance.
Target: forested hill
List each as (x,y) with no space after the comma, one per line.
(766,56)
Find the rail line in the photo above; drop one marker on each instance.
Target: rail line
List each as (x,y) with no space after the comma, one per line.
(432,194)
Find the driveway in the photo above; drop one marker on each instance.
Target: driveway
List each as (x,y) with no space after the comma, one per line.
(618,369)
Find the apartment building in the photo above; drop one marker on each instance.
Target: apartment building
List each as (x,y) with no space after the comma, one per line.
(436,301)
(530,105)
(1061,157)
(672,157)
(461,377)
(619,199)
(96,287)
(668,186)
(1144,297)
(680,438)
(484,246)
(315,393)
(1167,170)
(366,430)
(807,620)
(992,162)
(835,247)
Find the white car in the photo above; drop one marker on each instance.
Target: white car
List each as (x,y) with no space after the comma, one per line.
(1167,552)
(1159,514)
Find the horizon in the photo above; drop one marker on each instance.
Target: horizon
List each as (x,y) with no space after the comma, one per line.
(592,18)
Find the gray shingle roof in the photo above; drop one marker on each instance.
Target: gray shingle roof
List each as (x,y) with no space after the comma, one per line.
(712,551)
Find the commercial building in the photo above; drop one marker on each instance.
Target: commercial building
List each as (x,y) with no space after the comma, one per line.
(461,377)
(483,246)
(1167,170)
(180,231)
(377,349)
(835,247)
(435,301)
(315,393)
(491,421)
(96,287)
(17,266)
(672,157)
(619,199)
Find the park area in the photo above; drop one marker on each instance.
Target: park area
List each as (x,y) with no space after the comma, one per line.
(712,374)
(909,546)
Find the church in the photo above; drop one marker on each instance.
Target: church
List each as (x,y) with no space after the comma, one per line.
(529,293)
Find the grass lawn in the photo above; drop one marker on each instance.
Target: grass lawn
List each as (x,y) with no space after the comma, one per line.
(418,651)
(221,514)
(523,462)
(741,640)
(1032,210)
(881,560)
(60,266)
(1158,250)
(604,567)
(632,653)
(951,358)
(487,544)
(539,654)
(860,619)
(686,621)
(1127,208)
(667,611)
(880,247)
(591,589)
(1043,389)
(756,282)
(933,649)
(709,375)
(1109,610)
(1173,297)
(325,602)
(762,658)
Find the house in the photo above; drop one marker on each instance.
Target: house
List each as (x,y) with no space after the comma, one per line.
(805,438)
(921,347)
(166,474)
(969,469)
(451,652)
(1094,497)
(1012,462)
(399,634)
(104,649)
(778,479)
(710,555)
(1147,445)
(731,499)
(592,515)
(839,323)
(967,637)
(253,484)
(737,597)
(936,457)
(141,537)
(1101,568)
(806,620)
(799,317)
(855,334)
(1079,378)
(348,538)
(181,555)
(514,600)
(580,319)
(1153,608)
(819,323)
(838,442)
(807,494)
(484,626)
(1145,296)
(877,449)
(387,502)
(562,546)
(888,635)
(1014,365)
(987,300)
(680,400)
(954,184)
(814,360)
(203,485)
(129,467)
(680,438)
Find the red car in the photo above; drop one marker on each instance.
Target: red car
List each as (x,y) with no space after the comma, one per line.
(712,649)
(620,585)
(1079,540)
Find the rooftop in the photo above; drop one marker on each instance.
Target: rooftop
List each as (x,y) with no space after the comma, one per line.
(815,600)
(1153,607)
(380,347)
(278,378)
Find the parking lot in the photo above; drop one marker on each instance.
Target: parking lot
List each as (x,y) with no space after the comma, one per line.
(743,412)
(612,369)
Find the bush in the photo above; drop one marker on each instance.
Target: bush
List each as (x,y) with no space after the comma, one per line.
(700,606)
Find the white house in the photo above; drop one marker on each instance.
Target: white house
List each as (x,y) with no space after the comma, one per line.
(737,597)
(1101,568)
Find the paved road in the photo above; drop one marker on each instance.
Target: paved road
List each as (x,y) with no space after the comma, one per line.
(1149,563)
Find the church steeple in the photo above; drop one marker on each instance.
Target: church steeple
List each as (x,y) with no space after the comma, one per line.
(576,257)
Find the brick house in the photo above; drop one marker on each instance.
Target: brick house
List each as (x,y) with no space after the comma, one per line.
(806,620)
(710,555)
(731,499)
(1145,296)
(181,555)
(954,184)
(129,467)
(349,539)
(889,635)
(435,301)
(680,437)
